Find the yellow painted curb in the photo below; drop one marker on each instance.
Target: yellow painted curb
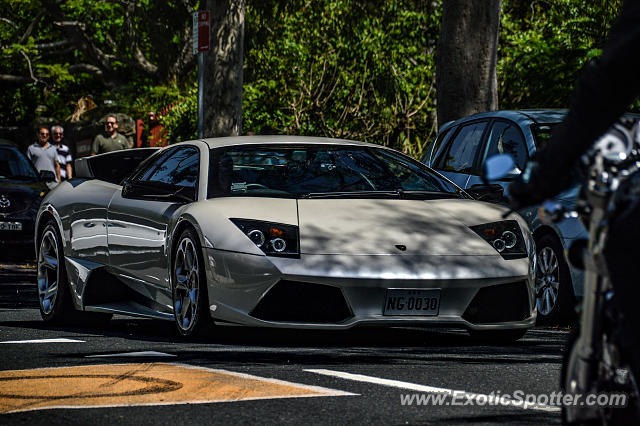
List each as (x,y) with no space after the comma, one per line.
(116,385)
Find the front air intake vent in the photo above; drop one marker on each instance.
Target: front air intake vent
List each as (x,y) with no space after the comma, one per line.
(499,303)
(294,301)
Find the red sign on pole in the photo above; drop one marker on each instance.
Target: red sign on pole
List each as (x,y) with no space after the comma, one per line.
(200,31)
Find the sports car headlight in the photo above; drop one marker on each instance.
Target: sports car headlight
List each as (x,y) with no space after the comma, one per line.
(505,236)
(275,239)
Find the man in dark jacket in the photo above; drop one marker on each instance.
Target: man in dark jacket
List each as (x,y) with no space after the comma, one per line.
(605,89)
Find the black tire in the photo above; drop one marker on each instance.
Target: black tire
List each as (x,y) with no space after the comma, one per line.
(555,301)
(189,287)
(572,338)
(498,337)
(54,296)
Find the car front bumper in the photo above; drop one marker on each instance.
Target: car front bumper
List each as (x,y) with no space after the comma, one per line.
(239,285)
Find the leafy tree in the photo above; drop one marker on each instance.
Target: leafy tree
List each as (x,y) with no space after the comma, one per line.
(543,46)
(342,68)
(55,52)
(360,69)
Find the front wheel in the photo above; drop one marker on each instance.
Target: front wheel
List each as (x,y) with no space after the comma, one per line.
(554,292)
(53,289)
(189,287)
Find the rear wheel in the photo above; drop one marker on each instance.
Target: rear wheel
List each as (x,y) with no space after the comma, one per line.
(53,288)
(554,292)
(190,301)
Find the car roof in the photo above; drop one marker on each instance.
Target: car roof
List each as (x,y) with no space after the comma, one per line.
(520,116)
(6,142)
(279,140)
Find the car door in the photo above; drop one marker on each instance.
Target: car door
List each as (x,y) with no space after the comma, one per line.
(503,137)
(457,160)
(139,215)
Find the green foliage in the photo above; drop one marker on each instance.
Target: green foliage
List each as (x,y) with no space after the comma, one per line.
(181,121)
(309,73)
(358,69)
(543,46)
(64,51)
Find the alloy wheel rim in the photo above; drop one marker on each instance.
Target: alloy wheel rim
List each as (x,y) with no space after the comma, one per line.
(187,281)
(547,280)
(48,272)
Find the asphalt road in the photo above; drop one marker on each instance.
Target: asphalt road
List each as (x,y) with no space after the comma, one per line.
(137,371)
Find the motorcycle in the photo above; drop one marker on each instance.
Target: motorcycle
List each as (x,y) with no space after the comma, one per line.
(594,362)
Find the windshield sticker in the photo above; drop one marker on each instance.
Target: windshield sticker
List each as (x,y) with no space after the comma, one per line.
(327,166)
(238,186)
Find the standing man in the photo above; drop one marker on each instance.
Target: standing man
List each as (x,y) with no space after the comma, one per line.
(111,140)
(64,153)
(43,155)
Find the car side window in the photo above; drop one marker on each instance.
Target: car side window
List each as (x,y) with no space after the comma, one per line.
(463,149)
(180,167)
(507,138)
(432,149)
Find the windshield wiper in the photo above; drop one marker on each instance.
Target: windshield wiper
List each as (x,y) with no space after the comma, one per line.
(350,194)
(427,195)
(20,177)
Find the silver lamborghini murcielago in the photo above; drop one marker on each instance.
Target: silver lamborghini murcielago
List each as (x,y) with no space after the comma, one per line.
(280,231)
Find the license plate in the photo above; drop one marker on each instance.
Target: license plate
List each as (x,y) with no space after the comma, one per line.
(412,302)
(10,226)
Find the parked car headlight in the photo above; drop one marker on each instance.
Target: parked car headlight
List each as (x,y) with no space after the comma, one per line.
(505,236)
(274,239)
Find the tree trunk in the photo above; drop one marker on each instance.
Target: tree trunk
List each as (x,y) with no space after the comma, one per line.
(223,69)
(466,78)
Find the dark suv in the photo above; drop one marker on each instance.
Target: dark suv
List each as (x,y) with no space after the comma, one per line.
(21,191)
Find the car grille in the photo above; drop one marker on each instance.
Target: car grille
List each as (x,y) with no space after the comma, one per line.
(10,204)
(499,303)
(293,301)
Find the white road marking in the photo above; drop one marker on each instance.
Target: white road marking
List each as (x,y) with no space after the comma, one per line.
(432,389)
(134,354)
(57,340)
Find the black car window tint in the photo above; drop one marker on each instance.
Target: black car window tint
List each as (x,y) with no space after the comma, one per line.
(506,138)
(413,177)
(179,169)
(463,149)
(297,170)
(147,167)
(14,165)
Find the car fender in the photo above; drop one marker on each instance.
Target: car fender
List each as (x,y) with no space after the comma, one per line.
(47,209)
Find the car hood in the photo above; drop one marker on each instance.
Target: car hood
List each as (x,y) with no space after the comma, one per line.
(355,226)
(382,227)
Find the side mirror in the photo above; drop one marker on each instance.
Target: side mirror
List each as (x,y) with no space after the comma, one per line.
(498,167)
(158,192)
(47,176)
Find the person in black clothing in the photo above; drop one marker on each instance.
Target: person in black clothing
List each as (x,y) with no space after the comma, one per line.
(605,89)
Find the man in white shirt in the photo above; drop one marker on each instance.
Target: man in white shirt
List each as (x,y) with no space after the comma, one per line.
(64,153)
(43,155)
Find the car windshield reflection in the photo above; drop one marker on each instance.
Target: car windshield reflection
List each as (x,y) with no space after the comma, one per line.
(15,166)
(322,171)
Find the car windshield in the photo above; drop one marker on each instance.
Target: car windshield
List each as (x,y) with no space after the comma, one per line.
(14,165)
(322,171)
(542,133)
